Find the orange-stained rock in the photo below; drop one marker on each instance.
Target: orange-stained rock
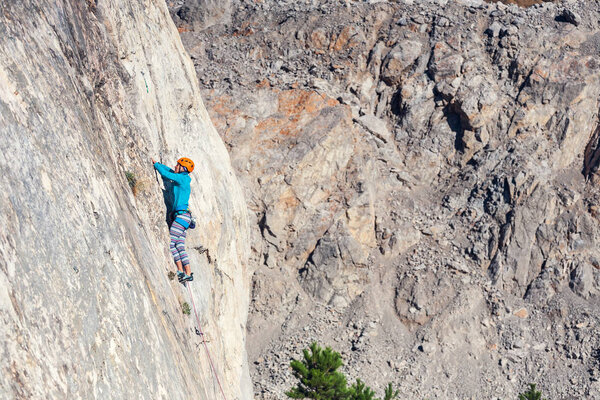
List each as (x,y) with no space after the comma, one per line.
(319,39)
(349,37)
(263,84)
(521,313)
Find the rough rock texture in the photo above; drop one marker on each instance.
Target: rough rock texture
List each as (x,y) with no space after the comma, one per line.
(422,177)
(90,90)
(200,14)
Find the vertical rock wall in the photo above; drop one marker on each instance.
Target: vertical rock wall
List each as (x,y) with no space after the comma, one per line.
(90,90)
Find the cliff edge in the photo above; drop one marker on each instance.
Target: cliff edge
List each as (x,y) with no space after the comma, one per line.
(89,91)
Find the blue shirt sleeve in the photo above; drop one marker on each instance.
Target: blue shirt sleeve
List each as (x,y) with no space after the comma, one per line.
(168,173)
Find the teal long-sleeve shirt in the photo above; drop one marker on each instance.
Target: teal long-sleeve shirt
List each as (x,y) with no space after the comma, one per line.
(181,187)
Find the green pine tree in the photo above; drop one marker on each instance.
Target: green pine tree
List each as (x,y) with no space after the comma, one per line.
(390,394)
(318,375)
(531,394)
(359,391)
(319,379)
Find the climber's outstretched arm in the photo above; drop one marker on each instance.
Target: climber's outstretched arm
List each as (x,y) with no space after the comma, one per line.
(168,173)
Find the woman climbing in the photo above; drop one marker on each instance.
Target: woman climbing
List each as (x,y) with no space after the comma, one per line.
(180,217)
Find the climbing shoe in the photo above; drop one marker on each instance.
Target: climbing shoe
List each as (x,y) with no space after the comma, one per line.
(180,275)
(187,278)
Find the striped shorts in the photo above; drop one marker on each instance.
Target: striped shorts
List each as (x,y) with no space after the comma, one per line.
(177,232)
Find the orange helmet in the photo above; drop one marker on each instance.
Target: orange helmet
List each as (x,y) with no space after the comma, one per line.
(186,162)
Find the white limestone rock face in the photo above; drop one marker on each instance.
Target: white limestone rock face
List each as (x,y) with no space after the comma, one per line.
(89,91)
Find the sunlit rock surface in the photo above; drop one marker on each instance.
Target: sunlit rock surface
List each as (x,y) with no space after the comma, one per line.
(423,184)
(90,91)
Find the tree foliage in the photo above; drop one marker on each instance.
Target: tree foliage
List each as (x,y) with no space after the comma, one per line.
(531,394)
(359,391)
(318,376)
(319,379)
(390,394)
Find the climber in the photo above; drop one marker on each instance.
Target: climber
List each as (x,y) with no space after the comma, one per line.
(181,217)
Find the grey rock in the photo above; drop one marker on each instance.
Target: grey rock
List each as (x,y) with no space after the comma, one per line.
(202,14)
(569,16)
(375,126)
(427,348)
(494,29)
(399,60)
(584,280)
(402,21)
(475,202)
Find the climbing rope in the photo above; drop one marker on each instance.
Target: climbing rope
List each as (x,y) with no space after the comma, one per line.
(199,332)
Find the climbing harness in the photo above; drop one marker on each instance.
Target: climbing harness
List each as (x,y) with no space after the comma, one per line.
(184,211)
(201,334)
(192,224)
(179,212)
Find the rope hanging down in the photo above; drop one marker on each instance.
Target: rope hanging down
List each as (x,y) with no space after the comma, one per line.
(199,332)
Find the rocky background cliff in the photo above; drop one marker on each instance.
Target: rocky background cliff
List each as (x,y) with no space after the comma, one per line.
(89,92)
(422,181)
